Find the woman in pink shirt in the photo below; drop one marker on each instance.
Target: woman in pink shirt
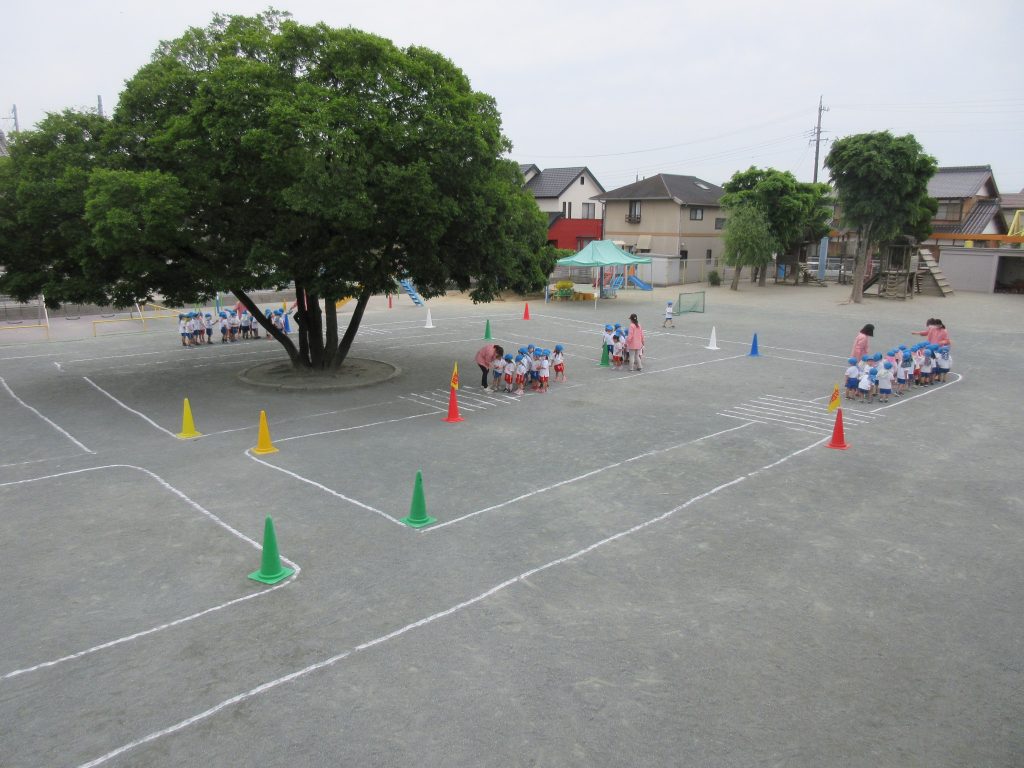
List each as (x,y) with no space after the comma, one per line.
(484,358)
(860,344)
(635,344)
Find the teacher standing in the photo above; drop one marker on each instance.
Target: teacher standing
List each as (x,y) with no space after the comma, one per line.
(487,354)
(635,344)
(860,344)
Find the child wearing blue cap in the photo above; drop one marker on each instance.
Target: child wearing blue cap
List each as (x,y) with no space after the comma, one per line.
(558,361)
(544,368)
(608,333)
(864,385)
(522,366)
(927,366)
(669,322)
(509,372)
(944,361)
(885,376)
(852,375)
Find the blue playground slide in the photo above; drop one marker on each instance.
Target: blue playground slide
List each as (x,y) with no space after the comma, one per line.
(616,282)
(407,286)
(633,279)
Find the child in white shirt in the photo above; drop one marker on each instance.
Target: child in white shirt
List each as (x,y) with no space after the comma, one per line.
(885,381)
(510,372)
(669,322)
(522,366)
(558,361)
(617,351)
(852,376)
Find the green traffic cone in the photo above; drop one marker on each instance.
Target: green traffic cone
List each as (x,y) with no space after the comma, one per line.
(605,362)
(271,571)
(418,516)
(487,331)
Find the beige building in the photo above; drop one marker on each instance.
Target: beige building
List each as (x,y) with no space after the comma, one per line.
(668,215)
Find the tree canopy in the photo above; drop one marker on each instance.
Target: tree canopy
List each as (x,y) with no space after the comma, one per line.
(748,239)
(796,212)
(882,185)
(259,152)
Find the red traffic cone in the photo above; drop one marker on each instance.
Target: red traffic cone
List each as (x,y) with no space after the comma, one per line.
(453,407)
(838,441)
(526,312)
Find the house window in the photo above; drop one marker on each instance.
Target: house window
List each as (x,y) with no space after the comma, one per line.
(567,210)
(633,215)
(589,210)
(949,210)
(696,214)
(720,223)
(582,181)
(707,255)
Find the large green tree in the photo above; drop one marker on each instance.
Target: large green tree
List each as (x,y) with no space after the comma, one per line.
(796,212)
(259,152)
(748,240)
(881,182)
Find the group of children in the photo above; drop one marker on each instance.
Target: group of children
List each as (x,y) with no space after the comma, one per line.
(533,364)
(615,337)
(197,327)
(895,372)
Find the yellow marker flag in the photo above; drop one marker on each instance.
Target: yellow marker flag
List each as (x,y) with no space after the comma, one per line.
(455,377)
(833,402)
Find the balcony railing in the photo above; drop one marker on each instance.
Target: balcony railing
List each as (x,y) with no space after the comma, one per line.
(632,218)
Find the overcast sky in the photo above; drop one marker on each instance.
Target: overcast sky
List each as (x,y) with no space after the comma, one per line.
(626,87)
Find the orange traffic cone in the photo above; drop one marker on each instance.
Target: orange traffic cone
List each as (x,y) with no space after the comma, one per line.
(453,407)
(526,312)
(838,441)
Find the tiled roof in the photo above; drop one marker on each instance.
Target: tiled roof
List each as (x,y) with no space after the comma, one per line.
(552,182)
(524,168)
(960,181)
(687,190)
(553,216)
(1013,201)
(977,220)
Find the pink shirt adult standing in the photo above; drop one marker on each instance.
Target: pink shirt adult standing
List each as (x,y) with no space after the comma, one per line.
(635,343)
(860,343)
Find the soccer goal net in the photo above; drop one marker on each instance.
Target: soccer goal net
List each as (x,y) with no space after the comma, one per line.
(689,302)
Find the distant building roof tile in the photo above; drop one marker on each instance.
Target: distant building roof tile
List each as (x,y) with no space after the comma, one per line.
(688,190)
(960,181)
(552,182)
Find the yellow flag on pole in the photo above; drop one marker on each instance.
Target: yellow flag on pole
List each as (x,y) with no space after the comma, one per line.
(833,402)
(455,377)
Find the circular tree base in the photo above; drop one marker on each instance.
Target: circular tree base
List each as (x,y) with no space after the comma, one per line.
(354,372)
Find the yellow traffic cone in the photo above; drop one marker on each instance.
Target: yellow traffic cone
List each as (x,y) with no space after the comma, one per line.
(263,444)
(188,427)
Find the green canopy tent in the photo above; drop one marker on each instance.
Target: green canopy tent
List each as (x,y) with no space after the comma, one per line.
(601,254)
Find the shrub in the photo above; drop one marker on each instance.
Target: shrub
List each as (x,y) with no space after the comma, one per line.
(714,278)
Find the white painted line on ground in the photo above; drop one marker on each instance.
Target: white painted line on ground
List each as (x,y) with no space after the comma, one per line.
(796,421)
(522,577)
(634,374)
(127,638)
(29,357)
(933,388)
(324,488)
(585,475)
(815,412)
(58,366)
(786,423)
(798,360)
(358,426)
(38,461)
(48,421)
(141,415)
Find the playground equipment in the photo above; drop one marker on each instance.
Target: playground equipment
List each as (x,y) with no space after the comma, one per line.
(11,307)
(620,276)
(689,302)
(408,287)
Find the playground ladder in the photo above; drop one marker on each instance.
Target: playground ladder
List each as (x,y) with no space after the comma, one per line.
(931,269)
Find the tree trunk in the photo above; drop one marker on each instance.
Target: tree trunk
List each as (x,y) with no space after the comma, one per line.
(353,326)
(268,327)
(331,345)
(762,278)
(316,331)
(859,263)
(303,324)
(735,285)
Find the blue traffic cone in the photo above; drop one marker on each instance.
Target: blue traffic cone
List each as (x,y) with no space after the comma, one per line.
(753,348)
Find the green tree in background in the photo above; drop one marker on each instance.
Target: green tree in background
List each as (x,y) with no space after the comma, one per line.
(748,240)
(258,152)
(882,185)
(796,212)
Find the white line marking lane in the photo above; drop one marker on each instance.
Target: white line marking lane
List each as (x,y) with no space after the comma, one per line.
(48,421)
(427,620)
(177,622)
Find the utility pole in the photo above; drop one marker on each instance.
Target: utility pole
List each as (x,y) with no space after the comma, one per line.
(817,138)
(99,105)
(14,116)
